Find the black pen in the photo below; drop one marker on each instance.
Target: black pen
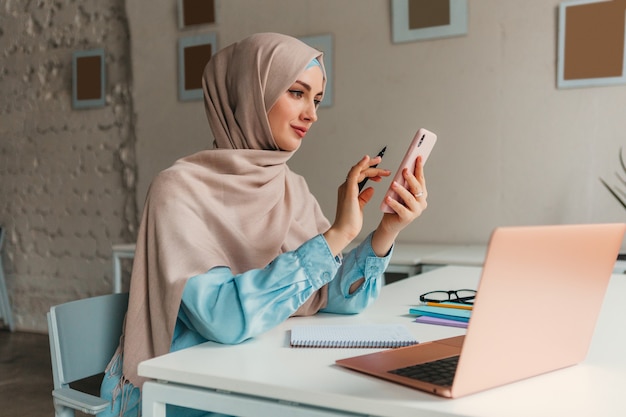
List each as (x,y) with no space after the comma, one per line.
(362,183)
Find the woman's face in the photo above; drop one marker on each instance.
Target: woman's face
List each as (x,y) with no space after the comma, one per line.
(296,110)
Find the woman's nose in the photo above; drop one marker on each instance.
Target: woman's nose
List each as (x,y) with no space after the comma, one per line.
(310,112)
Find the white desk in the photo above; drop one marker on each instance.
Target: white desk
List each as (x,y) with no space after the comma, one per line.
(413,258)
(459,255)
(126,250)
(407,258)
(264,377)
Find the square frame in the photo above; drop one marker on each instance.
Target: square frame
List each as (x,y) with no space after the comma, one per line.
(401,32)
(88,79)
(324,43)
(202,15)
(562,82)
(190,60)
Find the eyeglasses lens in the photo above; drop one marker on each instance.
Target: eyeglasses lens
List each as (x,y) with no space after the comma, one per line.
(459,296)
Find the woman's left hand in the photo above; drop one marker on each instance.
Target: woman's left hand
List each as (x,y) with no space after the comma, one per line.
(413,204)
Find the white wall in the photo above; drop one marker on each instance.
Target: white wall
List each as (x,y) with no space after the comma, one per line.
(512,148)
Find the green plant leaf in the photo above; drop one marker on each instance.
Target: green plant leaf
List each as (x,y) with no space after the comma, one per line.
(622,202)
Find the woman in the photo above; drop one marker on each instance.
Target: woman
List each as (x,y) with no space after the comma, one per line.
(231,241)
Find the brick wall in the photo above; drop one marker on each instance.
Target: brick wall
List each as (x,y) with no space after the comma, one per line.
(67,177)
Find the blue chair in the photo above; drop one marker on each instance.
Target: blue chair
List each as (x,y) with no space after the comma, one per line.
(5,307)
(84,335)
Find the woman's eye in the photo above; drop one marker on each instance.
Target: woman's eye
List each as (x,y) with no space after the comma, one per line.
(317,102)
(296,93)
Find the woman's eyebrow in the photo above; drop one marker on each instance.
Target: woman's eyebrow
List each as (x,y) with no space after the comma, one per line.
(307,87)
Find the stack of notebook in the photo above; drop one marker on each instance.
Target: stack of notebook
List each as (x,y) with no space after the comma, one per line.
(445,314)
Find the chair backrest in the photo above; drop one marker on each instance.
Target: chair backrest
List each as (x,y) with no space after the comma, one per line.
(84,335)
(6,315)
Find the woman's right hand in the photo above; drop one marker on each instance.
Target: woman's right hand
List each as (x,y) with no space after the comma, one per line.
(350,203)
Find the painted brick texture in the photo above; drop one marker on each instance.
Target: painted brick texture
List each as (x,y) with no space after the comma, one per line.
(67,177)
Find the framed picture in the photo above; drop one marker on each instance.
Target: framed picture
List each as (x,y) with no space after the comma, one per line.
(591,43)
(196,12)
(414,20)
(88,79)
(194,52)
(324,43)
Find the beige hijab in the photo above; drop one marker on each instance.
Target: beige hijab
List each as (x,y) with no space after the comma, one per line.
(238,205)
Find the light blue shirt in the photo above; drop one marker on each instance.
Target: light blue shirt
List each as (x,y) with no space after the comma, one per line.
(225,308)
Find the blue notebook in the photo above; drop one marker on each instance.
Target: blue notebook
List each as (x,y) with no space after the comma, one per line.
(442,312)
(441,322)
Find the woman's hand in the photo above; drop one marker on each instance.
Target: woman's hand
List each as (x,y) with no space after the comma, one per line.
(413,198)
(350,203)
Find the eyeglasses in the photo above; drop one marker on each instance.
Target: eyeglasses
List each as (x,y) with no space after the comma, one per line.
(453,296)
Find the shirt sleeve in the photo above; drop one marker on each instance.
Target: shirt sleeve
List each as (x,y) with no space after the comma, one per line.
(227,308)
(361,262)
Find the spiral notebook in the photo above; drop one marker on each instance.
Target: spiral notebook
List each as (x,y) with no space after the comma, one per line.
(352,336)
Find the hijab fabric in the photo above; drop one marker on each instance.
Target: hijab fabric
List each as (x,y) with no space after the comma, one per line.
(237,205)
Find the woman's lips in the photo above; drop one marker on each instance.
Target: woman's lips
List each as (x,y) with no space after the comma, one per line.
(301,131)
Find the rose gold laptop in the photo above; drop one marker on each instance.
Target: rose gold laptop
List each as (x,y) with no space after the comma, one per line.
(538,300)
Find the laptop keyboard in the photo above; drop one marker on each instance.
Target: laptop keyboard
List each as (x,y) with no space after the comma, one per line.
(439,372)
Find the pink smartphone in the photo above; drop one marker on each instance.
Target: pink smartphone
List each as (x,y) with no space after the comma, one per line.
(422,144)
